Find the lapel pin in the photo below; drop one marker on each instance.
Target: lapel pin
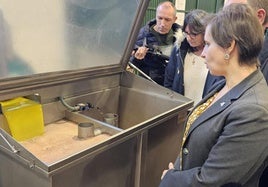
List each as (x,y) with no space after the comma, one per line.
(223,103)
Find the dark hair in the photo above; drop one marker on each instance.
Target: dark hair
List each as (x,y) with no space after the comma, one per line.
(194,20)
(197,21)
(238,22)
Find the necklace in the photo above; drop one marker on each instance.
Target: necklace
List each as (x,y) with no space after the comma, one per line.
(194,58)
(193,62)
(196,54)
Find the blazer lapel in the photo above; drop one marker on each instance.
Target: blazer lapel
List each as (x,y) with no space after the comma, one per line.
(226,100)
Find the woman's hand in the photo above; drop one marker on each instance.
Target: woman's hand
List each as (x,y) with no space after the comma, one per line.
(170,166)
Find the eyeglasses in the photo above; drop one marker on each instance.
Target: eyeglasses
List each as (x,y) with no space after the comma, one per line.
(191,35)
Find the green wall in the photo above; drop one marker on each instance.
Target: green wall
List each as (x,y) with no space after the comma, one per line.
(208,5)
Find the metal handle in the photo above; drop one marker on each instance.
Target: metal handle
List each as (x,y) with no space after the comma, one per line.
(141,72)
(9,145)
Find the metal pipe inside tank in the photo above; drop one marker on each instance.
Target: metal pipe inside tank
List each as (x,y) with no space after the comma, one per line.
(77,107)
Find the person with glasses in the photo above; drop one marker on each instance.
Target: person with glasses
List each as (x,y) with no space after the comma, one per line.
(186,72)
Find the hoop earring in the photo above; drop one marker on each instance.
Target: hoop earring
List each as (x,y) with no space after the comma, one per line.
(226,56)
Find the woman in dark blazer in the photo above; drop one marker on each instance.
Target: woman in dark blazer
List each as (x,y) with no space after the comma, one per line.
(226,134)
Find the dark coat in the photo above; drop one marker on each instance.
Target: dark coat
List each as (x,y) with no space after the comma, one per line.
(263,57)
(174,72)
(151,41)
(228,142)
(153,65)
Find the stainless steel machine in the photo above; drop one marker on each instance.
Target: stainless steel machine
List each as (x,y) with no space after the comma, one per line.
(70,56)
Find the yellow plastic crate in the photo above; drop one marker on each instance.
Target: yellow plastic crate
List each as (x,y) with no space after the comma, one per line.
(22,118)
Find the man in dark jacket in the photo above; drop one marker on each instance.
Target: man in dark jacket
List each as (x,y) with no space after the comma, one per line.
(155,42)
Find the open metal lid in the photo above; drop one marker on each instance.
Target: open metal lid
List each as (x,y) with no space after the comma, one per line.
(58,40)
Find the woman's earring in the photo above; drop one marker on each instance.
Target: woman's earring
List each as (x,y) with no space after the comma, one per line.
(226,56)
